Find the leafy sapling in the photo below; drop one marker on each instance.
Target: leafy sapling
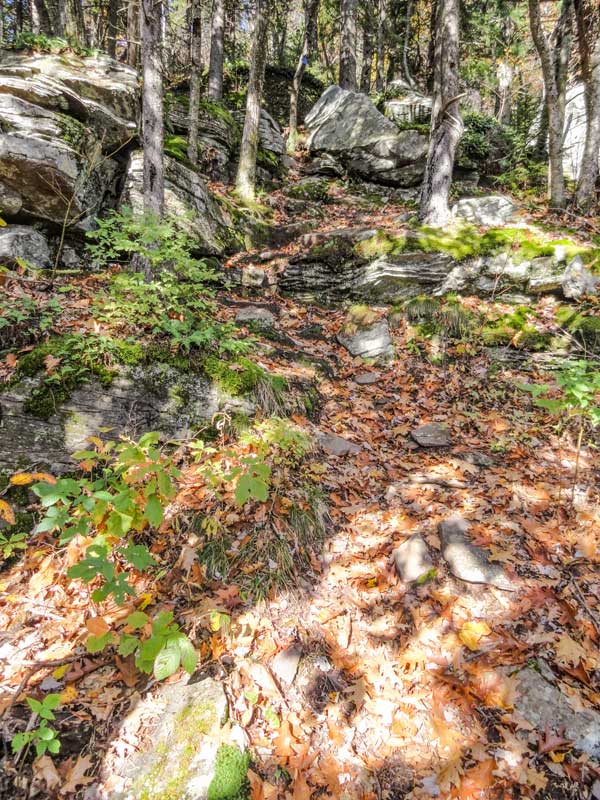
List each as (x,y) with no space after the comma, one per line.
(44,738)
(579,386)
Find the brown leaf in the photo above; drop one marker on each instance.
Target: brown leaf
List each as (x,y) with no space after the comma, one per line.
(51,363)
(76,776)
(45,772)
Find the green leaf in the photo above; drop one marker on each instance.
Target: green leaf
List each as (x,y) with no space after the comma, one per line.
(167,661)
(137,620)
(118,524)
(127,645)
(96,644)
(189,656)
(153,511)
(54,746)
(138,556)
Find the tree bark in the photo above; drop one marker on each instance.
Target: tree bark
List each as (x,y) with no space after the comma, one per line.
(71,21)
(446,123)
(215,67)
(368,51)
(504,75)
(588,37)
(554,72)
(431,45)
(309,46)
(406,44)
(195,79)
(45,18)
(381,30)
(347,79)
(245,182)
(133,33)
(112,22)
(152,106)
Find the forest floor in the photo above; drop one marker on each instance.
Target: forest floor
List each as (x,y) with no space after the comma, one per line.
(403,690)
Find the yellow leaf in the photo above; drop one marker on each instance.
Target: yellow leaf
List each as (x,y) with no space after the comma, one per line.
(146,599)
(558,758)
(68,694)
(6,512)
(60,672)
(22,479)
(471,632)
(3,224)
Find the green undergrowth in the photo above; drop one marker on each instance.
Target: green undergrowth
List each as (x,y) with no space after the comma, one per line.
(230,779)
(465,241)
(517,329)
(582,324)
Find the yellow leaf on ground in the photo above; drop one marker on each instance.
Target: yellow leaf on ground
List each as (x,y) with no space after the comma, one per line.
(68,694)
(6,512)
(471,632)
(97,626)
(568,651)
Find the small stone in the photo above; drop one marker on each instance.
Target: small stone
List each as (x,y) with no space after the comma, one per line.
(466,561)
(10,200)
(373,341)
(367,378)
(336,445)
(255,314)
(412,558)
(285,664)
(543,705)
(253,276)
(578,281)
(432,434)
(477,458)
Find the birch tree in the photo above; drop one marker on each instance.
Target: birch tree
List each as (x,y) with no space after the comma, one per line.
(152,106)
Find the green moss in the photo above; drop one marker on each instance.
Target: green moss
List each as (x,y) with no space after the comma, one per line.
(316,191)
(587,330)
(44,401)
(230,781)
(237,378)
(72,131)
(516,330)
(381,244)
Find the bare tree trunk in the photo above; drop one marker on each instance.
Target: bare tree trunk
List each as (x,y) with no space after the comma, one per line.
(368,51)
(348,45)
(152,106)
(215,68)
(381,30)
(309,47)
(245,182)
(19,17)
(588,36)
(133,33)
(71,21)
(554,72)
(504,75)
(45,18)
(112,22)
(446,123)
(431,46)
(195,80)
(406,44)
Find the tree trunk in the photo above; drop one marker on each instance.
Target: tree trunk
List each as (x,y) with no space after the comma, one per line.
(71,21)
(504,75)
(245,182)
(133,33)
(112,23)
(215,68)
(431,46)
(152,106)
(309,47)
(368,51)
(589,56)
(381,30)
(347,78)
(554,72)
(406,44)
(195,80)
(446,123)
(45,18)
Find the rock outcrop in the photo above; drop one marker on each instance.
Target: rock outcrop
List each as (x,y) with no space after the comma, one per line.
(347,126)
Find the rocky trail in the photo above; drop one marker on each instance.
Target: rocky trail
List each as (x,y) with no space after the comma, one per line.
(439,638)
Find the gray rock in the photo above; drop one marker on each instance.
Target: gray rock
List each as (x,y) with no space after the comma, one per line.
(543,705)
(20,242)
(477,458)
(412,559)
(336,445)
(326,165)
(546,275)
(143,398)
(285,664)
(411,106)
(187,199)
(182,746)
(371,342)
(466,561)
(367,378)
(491,211)
(578,281)
(347,126)
(270,134)
(257,314)
(432,434)
(11,201)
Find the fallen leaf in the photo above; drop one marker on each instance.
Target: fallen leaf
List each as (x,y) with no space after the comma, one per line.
(45,772)
(76,776)
(471,633)
(6,512)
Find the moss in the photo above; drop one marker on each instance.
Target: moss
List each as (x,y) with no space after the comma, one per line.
(129,353)
(381,244)
(43,402)
(237,378)
(359,316)
(516,330)
(72,131)
(316,191)
(230,781)
(587,329)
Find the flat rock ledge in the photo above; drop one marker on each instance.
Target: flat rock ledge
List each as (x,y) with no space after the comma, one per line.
(466,561)
(179,756)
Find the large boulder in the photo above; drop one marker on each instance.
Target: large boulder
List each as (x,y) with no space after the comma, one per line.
(491,211)
(347,126)
(20,243)
(188,200)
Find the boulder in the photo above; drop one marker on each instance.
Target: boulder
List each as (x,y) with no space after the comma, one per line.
(347,126)
(54,162)
(409,107)
(492,211)
(374,341)
(142,398)
(577,280)
(337,445)
(187,199)
(22,243)
(270,135)
(178,749)
(11,201)
(466,561)
(98,91)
